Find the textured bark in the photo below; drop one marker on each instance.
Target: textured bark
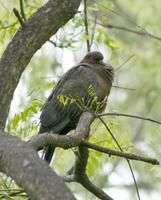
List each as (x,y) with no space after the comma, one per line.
(21,162)
(36,31)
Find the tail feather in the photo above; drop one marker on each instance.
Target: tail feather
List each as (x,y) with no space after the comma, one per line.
(61,128)
(48,154)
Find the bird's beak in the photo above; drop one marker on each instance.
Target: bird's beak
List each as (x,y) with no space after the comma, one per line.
(102,63)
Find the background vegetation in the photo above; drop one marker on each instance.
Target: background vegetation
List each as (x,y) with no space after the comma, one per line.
(110,24)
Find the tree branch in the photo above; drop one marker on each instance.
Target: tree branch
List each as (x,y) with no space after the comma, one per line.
(21,162)
(70,141)
(79,169)
(78,172)
(141,33)
(130,116)
(81,177)
(22,10)
(86,27)
(8,26)
(129,156)
(17,14)
(120,148)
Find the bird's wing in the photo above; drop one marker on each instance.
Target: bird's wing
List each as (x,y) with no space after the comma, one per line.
(74,83)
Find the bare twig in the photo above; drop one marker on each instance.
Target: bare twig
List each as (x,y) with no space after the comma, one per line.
(61,45)
(124,12)
(122,64)
(17,14)
(131,170)
(22,10)
(93,31)
(120,154)
(141,33)
(130,116)
(86,26)
(8,26)
(123,88)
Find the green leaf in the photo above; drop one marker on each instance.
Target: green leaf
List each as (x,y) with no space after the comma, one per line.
(16,120)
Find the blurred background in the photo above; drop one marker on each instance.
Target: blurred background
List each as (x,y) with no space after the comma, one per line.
(128,33)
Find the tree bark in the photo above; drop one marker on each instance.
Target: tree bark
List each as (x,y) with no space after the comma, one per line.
(22,163)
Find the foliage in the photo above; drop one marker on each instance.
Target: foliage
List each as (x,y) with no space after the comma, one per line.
(93,103)
(9,190)
(9,23)
(142,74)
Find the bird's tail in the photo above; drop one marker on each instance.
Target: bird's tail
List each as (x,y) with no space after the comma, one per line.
(48,153)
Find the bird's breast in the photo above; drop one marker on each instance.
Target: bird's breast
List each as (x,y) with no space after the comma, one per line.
(103,82)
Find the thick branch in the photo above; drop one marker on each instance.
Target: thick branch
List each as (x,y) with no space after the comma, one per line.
(49,139)
(79,171)
(68,141)
(84,123)
(81,177)
(81,132)
(21,162)
(28,39)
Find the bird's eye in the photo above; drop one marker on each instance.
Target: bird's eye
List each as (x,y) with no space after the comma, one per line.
(98,58)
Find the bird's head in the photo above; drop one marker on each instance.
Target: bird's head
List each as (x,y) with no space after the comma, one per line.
(94,57)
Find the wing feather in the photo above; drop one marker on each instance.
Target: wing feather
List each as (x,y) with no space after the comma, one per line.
(74,83)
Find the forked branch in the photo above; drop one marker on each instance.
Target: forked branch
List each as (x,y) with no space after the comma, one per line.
(78,172)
